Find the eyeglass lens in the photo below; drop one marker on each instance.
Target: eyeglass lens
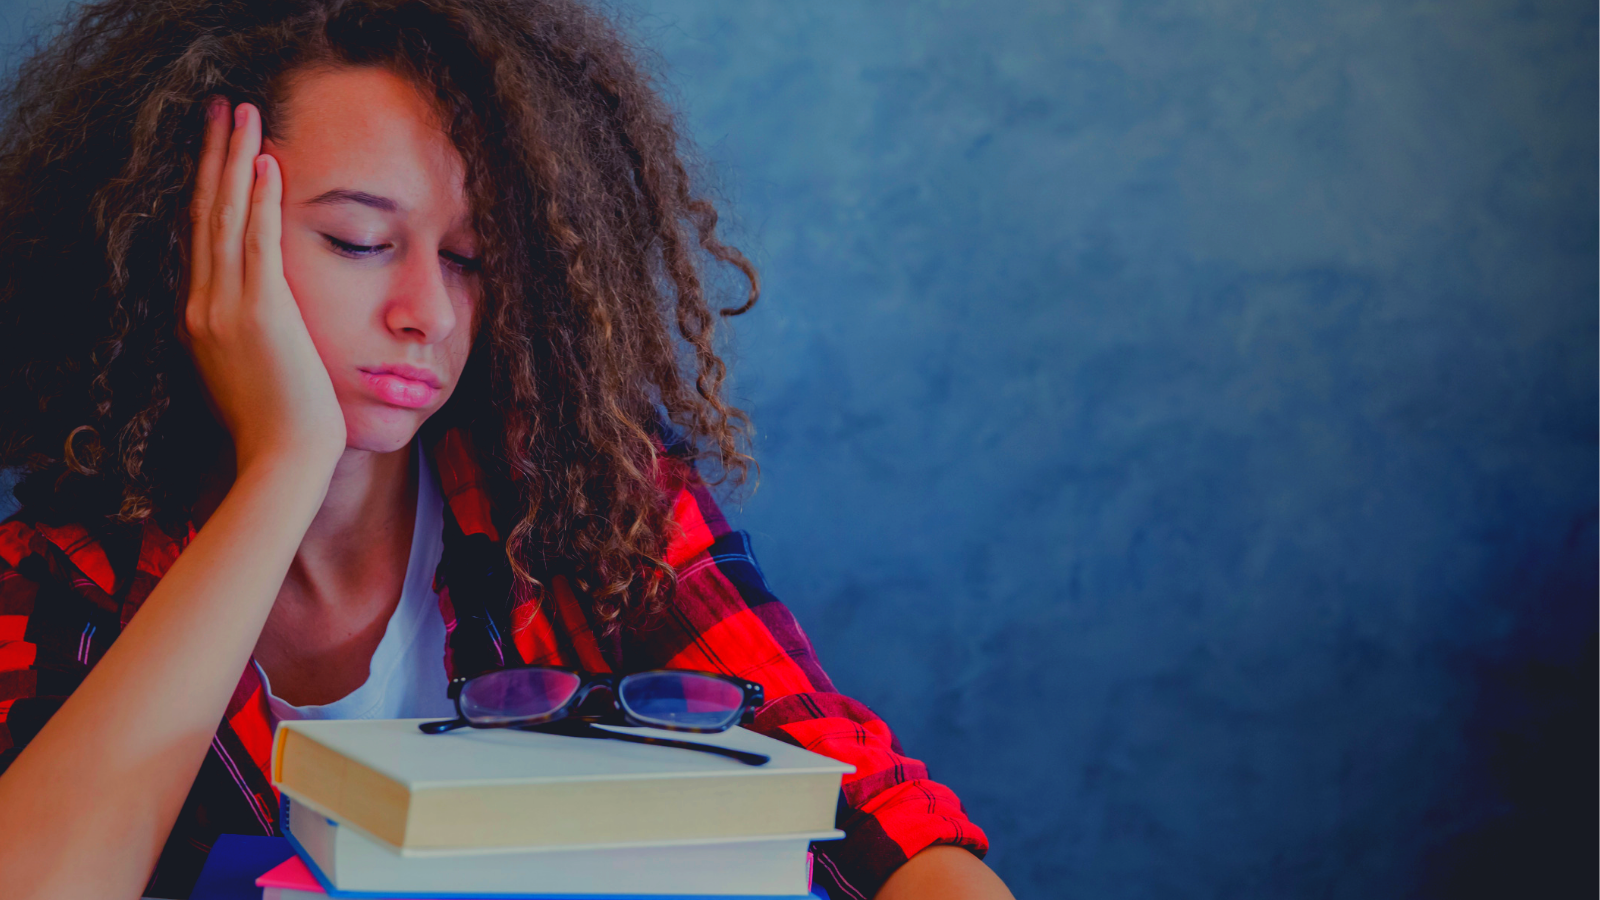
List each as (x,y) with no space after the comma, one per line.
(516,694)
(667,699)
(681,699)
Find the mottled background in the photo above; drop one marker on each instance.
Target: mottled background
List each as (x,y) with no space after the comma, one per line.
(1178,419)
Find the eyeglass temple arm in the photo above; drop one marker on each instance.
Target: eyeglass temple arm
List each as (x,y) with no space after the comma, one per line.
(441,726)
(584,729)
(744,756)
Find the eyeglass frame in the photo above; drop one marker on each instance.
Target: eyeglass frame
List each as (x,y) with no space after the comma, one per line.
(754,698)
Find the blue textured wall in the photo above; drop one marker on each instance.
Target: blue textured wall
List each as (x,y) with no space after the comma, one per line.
(1179,419)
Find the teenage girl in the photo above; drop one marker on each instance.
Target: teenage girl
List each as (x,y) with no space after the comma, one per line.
(347,347)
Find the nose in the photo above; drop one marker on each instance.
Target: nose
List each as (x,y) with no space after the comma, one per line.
(421,306)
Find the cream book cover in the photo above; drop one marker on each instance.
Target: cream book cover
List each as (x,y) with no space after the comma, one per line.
(482,789)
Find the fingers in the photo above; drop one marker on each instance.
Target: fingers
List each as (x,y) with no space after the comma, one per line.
(263,251)
(213,154)
(231,208)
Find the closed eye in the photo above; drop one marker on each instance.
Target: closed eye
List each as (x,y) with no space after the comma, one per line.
(464,264)
(356,250)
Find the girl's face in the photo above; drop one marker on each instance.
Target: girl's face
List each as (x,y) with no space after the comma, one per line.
(377,246)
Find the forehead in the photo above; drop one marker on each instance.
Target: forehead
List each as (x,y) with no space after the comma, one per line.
(366,129)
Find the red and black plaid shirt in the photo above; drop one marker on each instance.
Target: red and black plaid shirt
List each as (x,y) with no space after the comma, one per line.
(63,601)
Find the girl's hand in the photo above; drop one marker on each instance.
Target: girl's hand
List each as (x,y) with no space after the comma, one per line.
(241,323)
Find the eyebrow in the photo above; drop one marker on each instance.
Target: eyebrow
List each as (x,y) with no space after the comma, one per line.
(341,195)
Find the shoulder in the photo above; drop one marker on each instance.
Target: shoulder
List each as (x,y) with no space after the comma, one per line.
(57,616)
(26,545)
(67,590)
(723,615)
(695,521)
(72,561)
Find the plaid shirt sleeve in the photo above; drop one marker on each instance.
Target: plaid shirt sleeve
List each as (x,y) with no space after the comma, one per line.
(56,618)
(725,619)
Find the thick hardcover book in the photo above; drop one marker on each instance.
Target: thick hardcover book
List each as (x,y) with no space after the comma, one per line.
(237,861)
(768,867)
(501,789)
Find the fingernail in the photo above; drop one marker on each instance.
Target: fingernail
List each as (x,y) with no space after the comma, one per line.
(238,116)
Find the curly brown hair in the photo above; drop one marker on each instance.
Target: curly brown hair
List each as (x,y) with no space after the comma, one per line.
(597,339)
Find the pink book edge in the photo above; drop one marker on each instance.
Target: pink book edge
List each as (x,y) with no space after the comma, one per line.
(291,873)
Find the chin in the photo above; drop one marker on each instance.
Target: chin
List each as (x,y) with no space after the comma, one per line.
(382,430)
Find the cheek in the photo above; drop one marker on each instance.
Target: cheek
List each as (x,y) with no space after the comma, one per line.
(329,297)
(460,341)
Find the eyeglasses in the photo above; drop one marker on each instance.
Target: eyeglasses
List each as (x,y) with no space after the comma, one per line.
(555,700)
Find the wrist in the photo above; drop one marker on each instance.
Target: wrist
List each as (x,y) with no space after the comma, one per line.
(286,477)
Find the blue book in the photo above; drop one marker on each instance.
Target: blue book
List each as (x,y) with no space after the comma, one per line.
(235,862)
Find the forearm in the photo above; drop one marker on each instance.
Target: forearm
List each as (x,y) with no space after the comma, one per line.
(87,805)
(944,872)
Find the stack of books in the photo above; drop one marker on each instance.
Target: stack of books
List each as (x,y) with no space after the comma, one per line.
(374,808)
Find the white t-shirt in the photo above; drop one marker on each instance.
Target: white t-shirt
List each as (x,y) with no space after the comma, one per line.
(407,677)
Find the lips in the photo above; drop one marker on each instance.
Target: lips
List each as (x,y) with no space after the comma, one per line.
(404,386)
